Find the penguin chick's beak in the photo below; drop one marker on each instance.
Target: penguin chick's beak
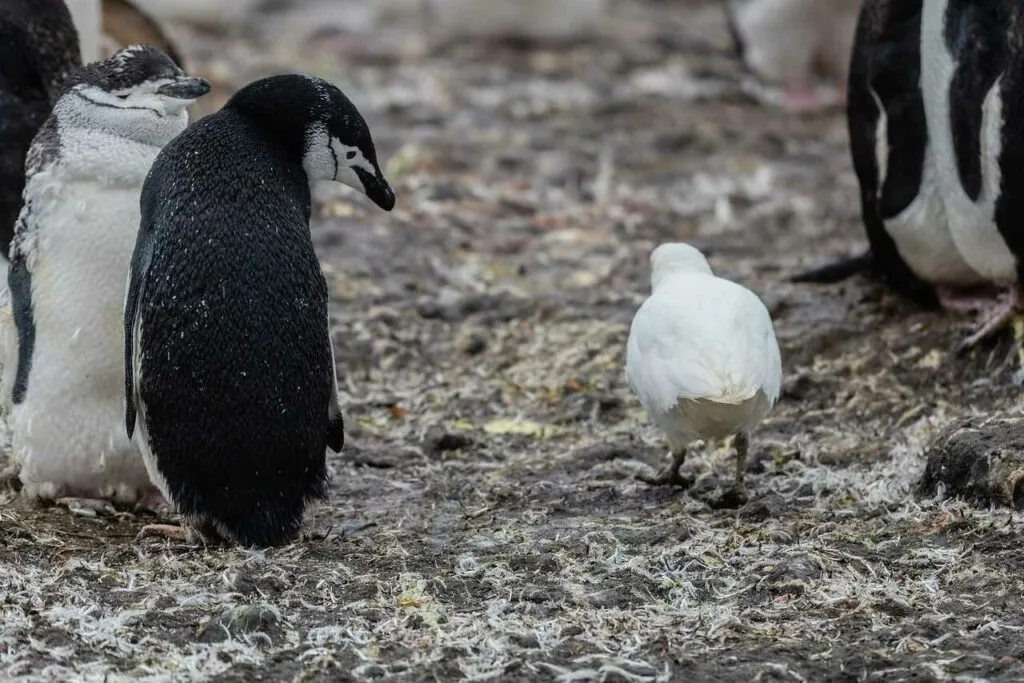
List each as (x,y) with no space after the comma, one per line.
(185,88)
(377,189)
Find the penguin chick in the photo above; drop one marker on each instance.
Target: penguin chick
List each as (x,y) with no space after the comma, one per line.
(69,265)
(701,357)
(786,41)
(550,20)
(902,203)
(230,373)
(38,50)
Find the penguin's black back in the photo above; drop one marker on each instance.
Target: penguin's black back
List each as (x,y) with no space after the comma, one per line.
(38,51)
(236,370)
(886,61)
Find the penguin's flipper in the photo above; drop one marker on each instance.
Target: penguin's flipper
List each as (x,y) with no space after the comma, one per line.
(142,256)
(884,97)
(336,423)
(19,282)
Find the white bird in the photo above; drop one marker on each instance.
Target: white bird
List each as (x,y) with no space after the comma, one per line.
(701,357)
(788,41)
(546,20)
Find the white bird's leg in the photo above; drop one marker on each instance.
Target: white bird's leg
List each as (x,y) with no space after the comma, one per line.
(742,443)
(799,96)
(671,476)
(153,501)
(966,300)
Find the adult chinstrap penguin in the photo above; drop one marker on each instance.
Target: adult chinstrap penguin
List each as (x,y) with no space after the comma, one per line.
(38,50)
(63,374)
(231,385)
(902,206)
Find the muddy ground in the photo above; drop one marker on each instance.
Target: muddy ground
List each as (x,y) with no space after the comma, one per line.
(484,520)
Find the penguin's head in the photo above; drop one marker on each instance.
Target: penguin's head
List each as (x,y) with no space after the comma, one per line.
(139,93)
(317,122)
(673,258)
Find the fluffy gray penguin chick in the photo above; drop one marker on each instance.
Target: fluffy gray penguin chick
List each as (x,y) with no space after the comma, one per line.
(231,386)
(63,375)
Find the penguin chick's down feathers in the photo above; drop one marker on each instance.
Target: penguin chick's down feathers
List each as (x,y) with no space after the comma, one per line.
(230,378)
(63,377)
(701,355)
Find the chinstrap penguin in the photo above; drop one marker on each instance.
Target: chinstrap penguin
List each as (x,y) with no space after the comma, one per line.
(902,205)
(231,385)
(790,41)
(972,70)
(38,51)
(63,375)
(702,358)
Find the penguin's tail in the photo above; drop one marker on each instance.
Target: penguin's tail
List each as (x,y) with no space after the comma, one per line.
(837,271)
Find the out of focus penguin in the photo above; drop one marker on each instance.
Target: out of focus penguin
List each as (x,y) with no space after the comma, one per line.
(63,379)
(902,205)
(38,50)
(231,385)
(790,41)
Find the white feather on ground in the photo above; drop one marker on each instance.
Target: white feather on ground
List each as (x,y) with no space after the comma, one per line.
(702,355)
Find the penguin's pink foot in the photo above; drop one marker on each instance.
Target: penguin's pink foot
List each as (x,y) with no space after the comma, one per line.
(87,507)
(172,531)
(153,501)
(800,97)
(968,300)
(1007,313)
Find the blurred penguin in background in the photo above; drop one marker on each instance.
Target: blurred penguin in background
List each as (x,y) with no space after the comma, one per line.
(790,42)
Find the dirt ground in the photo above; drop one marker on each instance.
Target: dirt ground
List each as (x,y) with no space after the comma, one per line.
(484,519)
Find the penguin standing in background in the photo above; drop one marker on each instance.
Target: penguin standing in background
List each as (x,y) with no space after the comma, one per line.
(63,373)
(911,246)
(230,381)
(789,41)
(38,50)
(972,76)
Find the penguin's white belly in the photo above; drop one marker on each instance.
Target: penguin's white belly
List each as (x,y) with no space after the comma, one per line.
(923,238)
(972,223)
(68,434)
(780,37)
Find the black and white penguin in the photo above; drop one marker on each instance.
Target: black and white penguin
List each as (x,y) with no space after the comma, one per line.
(902,205)
(63,370)
(231,385)
(38,50)
(972,76)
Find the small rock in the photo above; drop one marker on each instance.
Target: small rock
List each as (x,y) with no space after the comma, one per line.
(980,460)
(471,342)
(238,621)
(771,506)
(439,440)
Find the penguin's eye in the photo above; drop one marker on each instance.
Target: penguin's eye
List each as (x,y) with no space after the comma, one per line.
(350,155)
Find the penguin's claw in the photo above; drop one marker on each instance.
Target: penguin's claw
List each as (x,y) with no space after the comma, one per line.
(173,532)
(963,301)
(87,507)
(153,501)
(1007,313)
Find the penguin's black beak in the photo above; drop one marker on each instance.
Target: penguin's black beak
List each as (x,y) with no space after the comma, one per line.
(377,189)
(185,88)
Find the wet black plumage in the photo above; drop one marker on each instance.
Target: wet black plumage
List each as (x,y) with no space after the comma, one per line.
(231,376)
(38,50)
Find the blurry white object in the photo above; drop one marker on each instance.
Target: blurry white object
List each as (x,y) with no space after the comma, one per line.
(523,19)
(701,357)
(212,13)
(88,21)
(787,41)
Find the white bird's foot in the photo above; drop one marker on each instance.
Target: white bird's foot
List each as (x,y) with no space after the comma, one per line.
(174,532)
(153,501)
(671,476)
(86,507)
